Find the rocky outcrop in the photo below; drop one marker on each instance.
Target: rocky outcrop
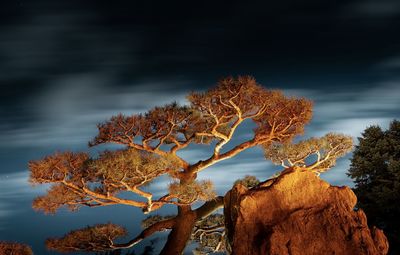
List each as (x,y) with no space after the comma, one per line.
(297,213)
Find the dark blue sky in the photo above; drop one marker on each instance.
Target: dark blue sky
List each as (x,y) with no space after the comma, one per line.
(67,65)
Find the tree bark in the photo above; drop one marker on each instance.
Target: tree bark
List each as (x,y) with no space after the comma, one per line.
(184,223)
(159,226)
(181,231)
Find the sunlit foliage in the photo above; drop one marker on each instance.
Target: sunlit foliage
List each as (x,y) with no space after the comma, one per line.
(132,167)
(57,196)
(12,248)
(151,142)
(97,238)
(248,181)
(193,191)
(232,101)
(315,154)
(60,166)
(79,180)
(170,124)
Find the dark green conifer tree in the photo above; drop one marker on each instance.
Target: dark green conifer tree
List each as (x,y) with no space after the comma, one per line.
(375,168)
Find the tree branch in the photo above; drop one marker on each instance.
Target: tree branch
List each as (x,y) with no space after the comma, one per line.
(105,197)
(209,207)
(200,165)
(156,227)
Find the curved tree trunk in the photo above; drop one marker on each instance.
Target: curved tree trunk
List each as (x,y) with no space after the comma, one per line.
(184,223)
(181,231)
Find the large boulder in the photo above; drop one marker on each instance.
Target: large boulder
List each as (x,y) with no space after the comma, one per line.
(298,213)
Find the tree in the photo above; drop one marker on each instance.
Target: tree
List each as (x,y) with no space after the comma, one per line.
(326,149)
(151,142)
(375,168)
(12,248)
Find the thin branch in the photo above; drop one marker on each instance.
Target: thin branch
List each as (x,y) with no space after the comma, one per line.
(221,240)
(105,197)
(212,229)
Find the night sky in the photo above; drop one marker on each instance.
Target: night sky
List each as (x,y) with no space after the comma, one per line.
(67,65)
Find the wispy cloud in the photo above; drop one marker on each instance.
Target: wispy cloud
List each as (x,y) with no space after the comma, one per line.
(391,63)
(70,109)
(15,188)
(382,8)
(16,185)
(351,112)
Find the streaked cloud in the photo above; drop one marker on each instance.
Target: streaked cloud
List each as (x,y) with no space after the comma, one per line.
(351,112)
(70,109)
(16,185)
(391,63)
(14,191)
(381,8)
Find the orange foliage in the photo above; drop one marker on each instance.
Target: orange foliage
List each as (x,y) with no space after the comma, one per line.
(153,138)
(152,141)
(11,248)
(314,154)
(97,238)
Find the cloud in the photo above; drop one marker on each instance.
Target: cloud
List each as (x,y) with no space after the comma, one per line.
(70,109)
(16,185)
(354,126)
(350,112)
(15,188)
(337,174)
(63,42)
(391,63)
(195,153)
(381,8)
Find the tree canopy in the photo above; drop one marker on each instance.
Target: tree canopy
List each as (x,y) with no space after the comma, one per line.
(375,168)
(326,149)
(151,141)
(14,248)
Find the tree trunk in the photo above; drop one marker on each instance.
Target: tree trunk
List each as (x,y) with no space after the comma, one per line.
(181,231)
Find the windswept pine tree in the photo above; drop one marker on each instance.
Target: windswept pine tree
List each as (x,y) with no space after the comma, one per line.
(151,141)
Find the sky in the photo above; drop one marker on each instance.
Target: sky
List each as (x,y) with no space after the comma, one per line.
(67,65)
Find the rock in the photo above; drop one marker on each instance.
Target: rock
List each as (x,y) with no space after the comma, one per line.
(297,213)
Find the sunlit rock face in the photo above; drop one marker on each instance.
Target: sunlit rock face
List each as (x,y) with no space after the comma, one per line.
(298,213)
